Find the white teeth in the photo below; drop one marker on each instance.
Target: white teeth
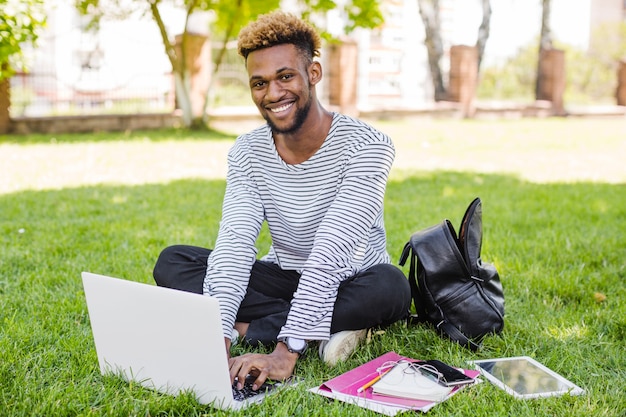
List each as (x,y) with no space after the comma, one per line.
(281,108)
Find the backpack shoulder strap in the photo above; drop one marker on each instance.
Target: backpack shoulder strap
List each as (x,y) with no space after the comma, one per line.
(420,312)
(456,335)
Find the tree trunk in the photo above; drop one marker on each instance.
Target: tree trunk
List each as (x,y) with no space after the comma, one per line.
(620,93)
(483,31)
(195,50)
(545,43)
(228,34)
(5,103)
(176,55)
(429,11)
(182,87)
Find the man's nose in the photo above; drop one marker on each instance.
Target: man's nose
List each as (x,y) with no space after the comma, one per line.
(274,91)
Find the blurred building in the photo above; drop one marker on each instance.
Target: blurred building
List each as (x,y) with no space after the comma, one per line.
(123,67)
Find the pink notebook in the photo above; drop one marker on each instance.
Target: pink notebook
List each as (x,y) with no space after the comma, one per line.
(344,388)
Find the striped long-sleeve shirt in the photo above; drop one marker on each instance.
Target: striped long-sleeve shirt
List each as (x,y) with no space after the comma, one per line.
(325,218)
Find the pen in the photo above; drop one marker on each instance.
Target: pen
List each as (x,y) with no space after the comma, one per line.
(372,382)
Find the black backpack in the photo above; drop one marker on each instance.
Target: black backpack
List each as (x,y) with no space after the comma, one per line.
(450,285)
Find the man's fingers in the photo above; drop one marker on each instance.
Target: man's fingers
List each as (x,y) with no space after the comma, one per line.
(241,367)
(262,366)
(260,379)
(235,367)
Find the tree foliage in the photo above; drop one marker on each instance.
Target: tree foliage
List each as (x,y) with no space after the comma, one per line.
(590,74)
(356,13)
(511,80)
(608,43)
(20,21)
(230,17)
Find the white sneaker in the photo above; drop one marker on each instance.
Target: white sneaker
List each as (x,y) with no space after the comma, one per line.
(340,345)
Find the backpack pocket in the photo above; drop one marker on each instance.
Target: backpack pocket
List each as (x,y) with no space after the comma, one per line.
(464,302)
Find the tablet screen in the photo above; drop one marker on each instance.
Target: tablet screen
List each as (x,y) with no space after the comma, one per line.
(524,377)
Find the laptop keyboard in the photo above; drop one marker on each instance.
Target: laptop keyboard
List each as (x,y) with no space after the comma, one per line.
(247,391)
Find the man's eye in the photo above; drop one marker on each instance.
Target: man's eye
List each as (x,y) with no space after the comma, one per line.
(258,84)
(286,76)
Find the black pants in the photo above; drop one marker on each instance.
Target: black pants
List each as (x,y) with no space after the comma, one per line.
(375,297)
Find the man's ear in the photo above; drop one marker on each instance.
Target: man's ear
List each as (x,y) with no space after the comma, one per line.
(315,72)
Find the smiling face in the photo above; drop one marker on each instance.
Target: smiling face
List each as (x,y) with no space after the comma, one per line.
(282,84)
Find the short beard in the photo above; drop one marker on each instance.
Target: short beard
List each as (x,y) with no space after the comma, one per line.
(301,115)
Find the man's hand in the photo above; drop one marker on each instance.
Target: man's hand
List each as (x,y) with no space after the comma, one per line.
(277,365)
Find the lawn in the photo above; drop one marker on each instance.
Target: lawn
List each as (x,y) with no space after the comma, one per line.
(554,203)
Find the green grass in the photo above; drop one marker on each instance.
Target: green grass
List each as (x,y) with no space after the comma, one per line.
(559,247)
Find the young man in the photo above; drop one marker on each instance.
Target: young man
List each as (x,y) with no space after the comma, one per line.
(318,179)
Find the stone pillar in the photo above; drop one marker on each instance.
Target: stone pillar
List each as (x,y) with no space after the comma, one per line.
(621,84)
(463,77)
(552,78)
(342,76)
(198,62)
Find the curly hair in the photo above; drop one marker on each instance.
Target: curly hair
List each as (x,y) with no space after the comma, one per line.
(279,28)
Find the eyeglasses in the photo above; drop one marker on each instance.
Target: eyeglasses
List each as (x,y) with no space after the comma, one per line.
(409,368)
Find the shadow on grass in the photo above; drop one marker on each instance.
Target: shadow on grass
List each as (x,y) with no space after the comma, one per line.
(569,226)
(560,250)
(134,135)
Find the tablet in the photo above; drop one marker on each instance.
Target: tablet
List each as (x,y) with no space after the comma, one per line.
(524,377)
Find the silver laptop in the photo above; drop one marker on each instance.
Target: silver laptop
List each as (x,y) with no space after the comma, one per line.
(164,339)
